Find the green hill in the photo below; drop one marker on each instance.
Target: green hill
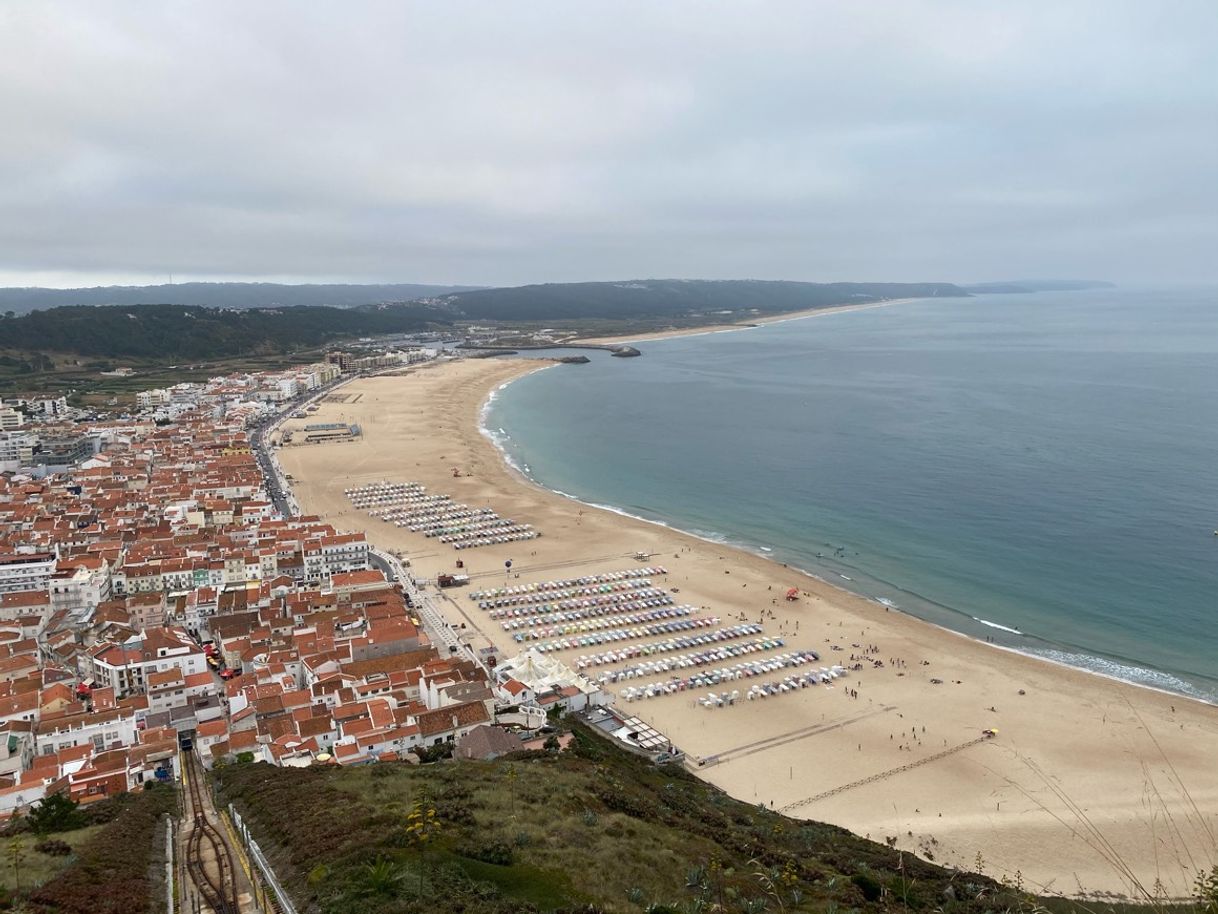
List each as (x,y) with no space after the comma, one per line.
(172,332)
(674,297)
(591,829)
(222,295)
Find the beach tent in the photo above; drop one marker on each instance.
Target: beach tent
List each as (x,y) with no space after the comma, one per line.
(793,593)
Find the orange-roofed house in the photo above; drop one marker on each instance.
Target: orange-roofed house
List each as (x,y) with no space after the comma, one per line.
(451,723)
(23,603)
(208,733)
(348,582)
(103,775)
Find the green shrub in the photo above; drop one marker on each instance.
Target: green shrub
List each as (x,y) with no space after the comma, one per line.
(111,874)
(871,889)
(53,847)
(58,812)
(496,852)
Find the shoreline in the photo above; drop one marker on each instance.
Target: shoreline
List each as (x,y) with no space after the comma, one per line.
(726,542)
(420,423)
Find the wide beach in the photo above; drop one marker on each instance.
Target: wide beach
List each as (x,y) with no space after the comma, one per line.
(1083,770)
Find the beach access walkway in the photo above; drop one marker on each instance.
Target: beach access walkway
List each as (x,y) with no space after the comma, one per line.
(883,775)
(762,745)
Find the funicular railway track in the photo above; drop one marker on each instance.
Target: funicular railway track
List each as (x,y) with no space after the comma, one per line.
(209,861)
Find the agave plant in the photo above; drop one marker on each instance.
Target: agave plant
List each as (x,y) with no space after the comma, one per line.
(382,878)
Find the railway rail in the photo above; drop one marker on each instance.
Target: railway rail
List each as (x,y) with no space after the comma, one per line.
(209,860)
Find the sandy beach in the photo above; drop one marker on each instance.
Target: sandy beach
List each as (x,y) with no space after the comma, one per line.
(1084,770)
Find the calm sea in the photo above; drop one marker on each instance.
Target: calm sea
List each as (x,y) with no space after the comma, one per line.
(1039,469)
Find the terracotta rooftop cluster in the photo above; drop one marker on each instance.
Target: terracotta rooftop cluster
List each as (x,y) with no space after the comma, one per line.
(153,594)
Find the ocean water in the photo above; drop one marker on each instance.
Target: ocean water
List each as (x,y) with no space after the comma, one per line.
(1039,469)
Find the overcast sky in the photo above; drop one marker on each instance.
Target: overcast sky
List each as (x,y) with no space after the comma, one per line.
(506,143)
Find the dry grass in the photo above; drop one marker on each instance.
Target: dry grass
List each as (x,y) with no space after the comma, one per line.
(37,867)
(593,826)
(1185,842)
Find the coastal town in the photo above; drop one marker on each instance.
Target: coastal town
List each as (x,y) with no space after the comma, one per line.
(608,459)
(333,566)
(160,591)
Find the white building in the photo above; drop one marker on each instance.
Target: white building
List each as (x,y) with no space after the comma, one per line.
(147,399)
(548,681)
(16,750)
(126,667)
(79,589)
(331,555)
(48,407)
(26,571)
(185,394)
(17,448)
(166,691)
(101,729)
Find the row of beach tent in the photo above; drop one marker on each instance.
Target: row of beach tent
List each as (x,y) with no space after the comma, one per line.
(621,634)
(583,609)
(630,652)
(473,538)
(407,505)
(376,493)
(823,676)
(691,660)
(604,578)
(706,678)
(591,625)
(525,602)
(424,509)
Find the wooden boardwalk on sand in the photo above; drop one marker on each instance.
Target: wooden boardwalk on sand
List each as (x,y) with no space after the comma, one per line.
(882,775)
(761,745)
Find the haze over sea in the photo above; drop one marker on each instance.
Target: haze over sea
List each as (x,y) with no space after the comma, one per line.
(1044,463)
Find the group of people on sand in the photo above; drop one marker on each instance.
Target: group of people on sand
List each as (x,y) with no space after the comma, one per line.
(914,737)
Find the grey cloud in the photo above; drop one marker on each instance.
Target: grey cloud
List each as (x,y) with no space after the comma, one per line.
(509,143)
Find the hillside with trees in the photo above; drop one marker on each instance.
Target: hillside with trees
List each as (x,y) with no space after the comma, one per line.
(676,297)
(170,332)
(173,332)
(222,295)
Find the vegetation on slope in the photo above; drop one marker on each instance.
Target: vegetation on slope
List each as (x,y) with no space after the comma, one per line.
(675,297)
(176,332)
(106,858)
(593,829)
(221,295)
(170,332)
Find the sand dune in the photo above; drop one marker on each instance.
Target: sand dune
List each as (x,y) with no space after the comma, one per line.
(1072,749)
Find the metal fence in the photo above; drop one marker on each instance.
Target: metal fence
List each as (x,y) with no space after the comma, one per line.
(260,861)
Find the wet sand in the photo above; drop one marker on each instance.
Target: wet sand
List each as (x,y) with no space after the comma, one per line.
(1083,770)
